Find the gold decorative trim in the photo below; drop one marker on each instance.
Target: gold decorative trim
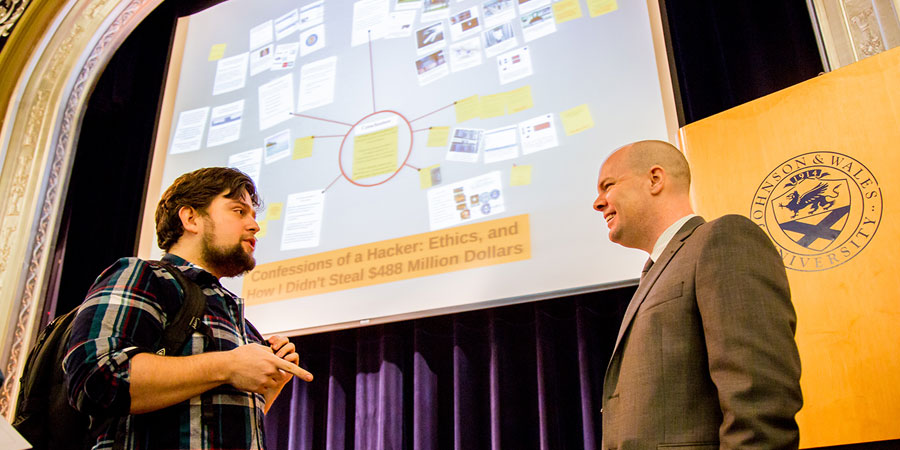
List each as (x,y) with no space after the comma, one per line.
(39,156)
(10,12)
(851,30)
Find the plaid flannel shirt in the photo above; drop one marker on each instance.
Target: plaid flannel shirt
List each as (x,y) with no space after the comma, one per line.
(124,314)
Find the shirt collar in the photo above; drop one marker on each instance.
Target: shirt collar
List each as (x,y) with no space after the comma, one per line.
(193,271)
(179,261)
(667,236)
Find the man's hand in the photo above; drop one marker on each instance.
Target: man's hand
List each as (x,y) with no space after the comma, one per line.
(161,381)
(286,350)
(257,368)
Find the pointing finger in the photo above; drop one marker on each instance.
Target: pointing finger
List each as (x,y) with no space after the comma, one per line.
(295,370)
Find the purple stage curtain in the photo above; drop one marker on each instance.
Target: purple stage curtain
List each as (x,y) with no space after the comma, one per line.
(526,376)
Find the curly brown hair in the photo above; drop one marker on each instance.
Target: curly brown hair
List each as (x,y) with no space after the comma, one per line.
(197,189)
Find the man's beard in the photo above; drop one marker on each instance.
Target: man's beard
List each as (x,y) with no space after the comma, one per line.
(228,261)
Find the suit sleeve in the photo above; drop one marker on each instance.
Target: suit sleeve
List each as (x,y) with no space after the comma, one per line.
(749,323)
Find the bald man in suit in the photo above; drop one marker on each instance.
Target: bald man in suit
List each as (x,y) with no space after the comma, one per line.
(705,357)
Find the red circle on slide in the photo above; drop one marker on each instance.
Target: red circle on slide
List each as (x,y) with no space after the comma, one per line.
(408,152)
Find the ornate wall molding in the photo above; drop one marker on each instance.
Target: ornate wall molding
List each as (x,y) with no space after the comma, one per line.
(41,131)
(851,30)
(10,13)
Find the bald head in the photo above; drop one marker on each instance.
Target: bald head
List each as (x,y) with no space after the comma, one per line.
(643,188)
(640,156)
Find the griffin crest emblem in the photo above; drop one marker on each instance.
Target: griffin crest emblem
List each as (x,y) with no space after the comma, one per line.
(815,198)
(820,209)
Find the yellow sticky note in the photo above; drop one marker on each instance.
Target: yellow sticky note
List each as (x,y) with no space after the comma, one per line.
(263,225)
(303,147)
(577,119)
(273,211)
(566,10)
(520,175)
(493,105)
(468,108)
(437,136)
(216,52)
(519,99)
(430,176)
(600,7)
(375,153)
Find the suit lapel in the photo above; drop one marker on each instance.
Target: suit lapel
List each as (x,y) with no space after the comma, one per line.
(650,279)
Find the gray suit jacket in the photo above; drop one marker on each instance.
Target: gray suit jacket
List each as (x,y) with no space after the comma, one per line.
(705,356)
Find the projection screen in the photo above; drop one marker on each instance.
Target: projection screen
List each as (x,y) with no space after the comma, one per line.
(415,157)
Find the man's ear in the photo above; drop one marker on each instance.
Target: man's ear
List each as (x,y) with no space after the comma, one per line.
(190,219)
(657,179)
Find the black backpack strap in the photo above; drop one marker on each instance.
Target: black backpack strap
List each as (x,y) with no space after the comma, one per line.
(189,316)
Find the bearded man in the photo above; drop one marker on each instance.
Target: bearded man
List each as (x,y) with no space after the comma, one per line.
(214,394)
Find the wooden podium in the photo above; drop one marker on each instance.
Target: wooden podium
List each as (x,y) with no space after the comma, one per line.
(816,167)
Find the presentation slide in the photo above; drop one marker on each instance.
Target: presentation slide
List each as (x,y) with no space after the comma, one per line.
(415,157)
